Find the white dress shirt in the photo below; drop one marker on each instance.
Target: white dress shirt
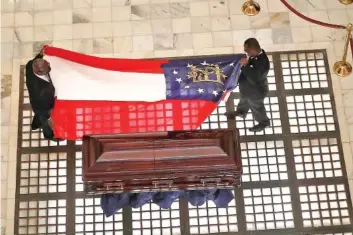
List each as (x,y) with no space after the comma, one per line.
(43,77)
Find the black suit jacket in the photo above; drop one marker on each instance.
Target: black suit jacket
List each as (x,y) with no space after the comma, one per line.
(41,95)
(253,82)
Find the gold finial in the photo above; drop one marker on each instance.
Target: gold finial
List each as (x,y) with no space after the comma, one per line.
(343,68)
(346,2)
(250,8)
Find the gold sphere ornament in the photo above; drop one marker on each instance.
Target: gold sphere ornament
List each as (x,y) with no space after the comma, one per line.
(251,8)
(346,2)
(342,68)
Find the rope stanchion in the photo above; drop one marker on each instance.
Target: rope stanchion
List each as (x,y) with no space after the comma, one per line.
(351,42)
(311,20)
(342,68)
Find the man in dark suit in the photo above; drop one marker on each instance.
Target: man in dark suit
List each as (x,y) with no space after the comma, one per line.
(253,85)
(41,94)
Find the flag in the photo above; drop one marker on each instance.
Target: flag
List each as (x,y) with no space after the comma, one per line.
(109,95)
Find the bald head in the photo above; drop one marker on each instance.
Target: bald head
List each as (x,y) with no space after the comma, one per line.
(41,67)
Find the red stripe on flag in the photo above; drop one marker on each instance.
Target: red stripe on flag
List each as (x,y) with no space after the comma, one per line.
(114,64)
(74,119)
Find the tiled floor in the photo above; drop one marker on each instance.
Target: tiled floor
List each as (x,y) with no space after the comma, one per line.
(165,28)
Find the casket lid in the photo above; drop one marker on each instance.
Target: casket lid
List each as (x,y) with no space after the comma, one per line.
(141,155)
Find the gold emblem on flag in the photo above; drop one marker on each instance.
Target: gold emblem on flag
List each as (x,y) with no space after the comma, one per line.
(203,74)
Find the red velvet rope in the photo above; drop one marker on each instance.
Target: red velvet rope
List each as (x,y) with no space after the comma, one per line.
(336,26)
(311,20)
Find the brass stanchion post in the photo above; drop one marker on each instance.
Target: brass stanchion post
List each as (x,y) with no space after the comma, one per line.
(343,68)
(346,2)
(251,8)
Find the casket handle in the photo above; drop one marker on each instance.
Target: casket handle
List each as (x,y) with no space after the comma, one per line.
(159,183)
(115,186)
(216,181)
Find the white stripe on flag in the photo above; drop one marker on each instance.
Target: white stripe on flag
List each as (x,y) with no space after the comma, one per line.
(73,81)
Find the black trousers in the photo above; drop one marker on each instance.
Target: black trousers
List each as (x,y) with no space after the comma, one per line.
(46,129)
(257,108)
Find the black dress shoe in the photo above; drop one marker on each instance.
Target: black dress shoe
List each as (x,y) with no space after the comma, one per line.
(232,115)
(259,127)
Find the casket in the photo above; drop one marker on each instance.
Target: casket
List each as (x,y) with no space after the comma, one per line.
(158,161)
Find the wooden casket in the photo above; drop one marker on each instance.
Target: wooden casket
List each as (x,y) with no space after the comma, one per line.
(161,161)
